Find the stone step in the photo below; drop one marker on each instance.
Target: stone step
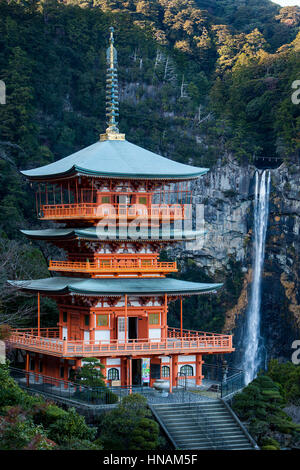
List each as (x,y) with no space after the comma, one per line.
(218,429)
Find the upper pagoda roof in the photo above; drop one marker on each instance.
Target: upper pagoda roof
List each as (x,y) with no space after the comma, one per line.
(115,159)
(114,287)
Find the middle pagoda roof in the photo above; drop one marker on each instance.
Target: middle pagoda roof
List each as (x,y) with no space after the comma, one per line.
(115,159)
(115,287)
(94,233)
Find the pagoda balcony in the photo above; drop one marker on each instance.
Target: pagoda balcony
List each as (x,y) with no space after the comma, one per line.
(141,267)
(120,212)
(177,342)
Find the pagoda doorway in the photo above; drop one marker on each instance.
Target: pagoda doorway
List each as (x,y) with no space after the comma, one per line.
(75,333)
(137,372)
(132,328)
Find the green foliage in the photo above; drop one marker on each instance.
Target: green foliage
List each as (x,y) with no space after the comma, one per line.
(129,426)
(287,375)
(90,373)
(18,433)
(10,393)
(70,427)
(28,422)
(260,405)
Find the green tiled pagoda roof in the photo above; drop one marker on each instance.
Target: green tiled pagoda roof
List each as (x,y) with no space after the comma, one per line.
(114,287)
(92,233)
(115,159)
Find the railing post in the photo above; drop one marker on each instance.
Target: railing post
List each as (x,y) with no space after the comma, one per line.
(64,347)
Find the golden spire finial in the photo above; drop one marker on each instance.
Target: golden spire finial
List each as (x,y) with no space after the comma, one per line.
(112,102)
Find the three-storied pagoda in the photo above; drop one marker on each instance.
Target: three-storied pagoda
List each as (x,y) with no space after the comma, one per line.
(120,204)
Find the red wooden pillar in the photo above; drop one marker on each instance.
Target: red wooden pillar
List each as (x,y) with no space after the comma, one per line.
(66,373)
(165,316)
(126,317)
(39,315)
(199,363)
(77,363)
(123,371)
(130,374)
(36,367)
(174,365)
(27,369)
(104,370)
(92,326)
(181,317)
(171,374)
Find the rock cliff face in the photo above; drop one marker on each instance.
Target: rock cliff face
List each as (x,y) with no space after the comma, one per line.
(227,194)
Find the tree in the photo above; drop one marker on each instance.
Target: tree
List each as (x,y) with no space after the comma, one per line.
(289,16)
(90,374)
(18,261)
(30,422)
(129,426)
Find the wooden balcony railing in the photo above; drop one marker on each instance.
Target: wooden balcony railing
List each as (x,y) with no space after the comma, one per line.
(197,343)
(114,211)
(52,332)
(107,266)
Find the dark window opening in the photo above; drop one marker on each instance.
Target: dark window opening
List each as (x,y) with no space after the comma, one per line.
(155,371)
(132,328)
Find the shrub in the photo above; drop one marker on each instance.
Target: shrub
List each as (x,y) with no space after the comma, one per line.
(69,427)
(130,426)
(19,432)
(47,414)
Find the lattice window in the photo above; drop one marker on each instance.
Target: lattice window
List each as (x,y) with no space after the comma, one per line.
(153,318)
(102,320)
(186,370)
(113,374)
(165,371)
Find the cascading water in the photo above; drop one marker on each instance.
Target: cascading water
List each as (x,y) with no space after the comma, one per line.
(252,358)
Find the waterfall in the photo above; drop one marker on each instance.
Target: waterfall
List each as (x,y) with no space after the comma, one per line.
(253,357)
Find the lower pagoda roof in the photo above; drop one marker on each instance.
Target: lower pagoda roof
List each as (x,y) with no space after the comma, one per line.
(114,287)
(94,233)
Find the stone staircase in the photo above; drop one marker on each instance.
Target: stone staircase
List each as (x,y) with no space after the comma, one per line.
(203,425)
